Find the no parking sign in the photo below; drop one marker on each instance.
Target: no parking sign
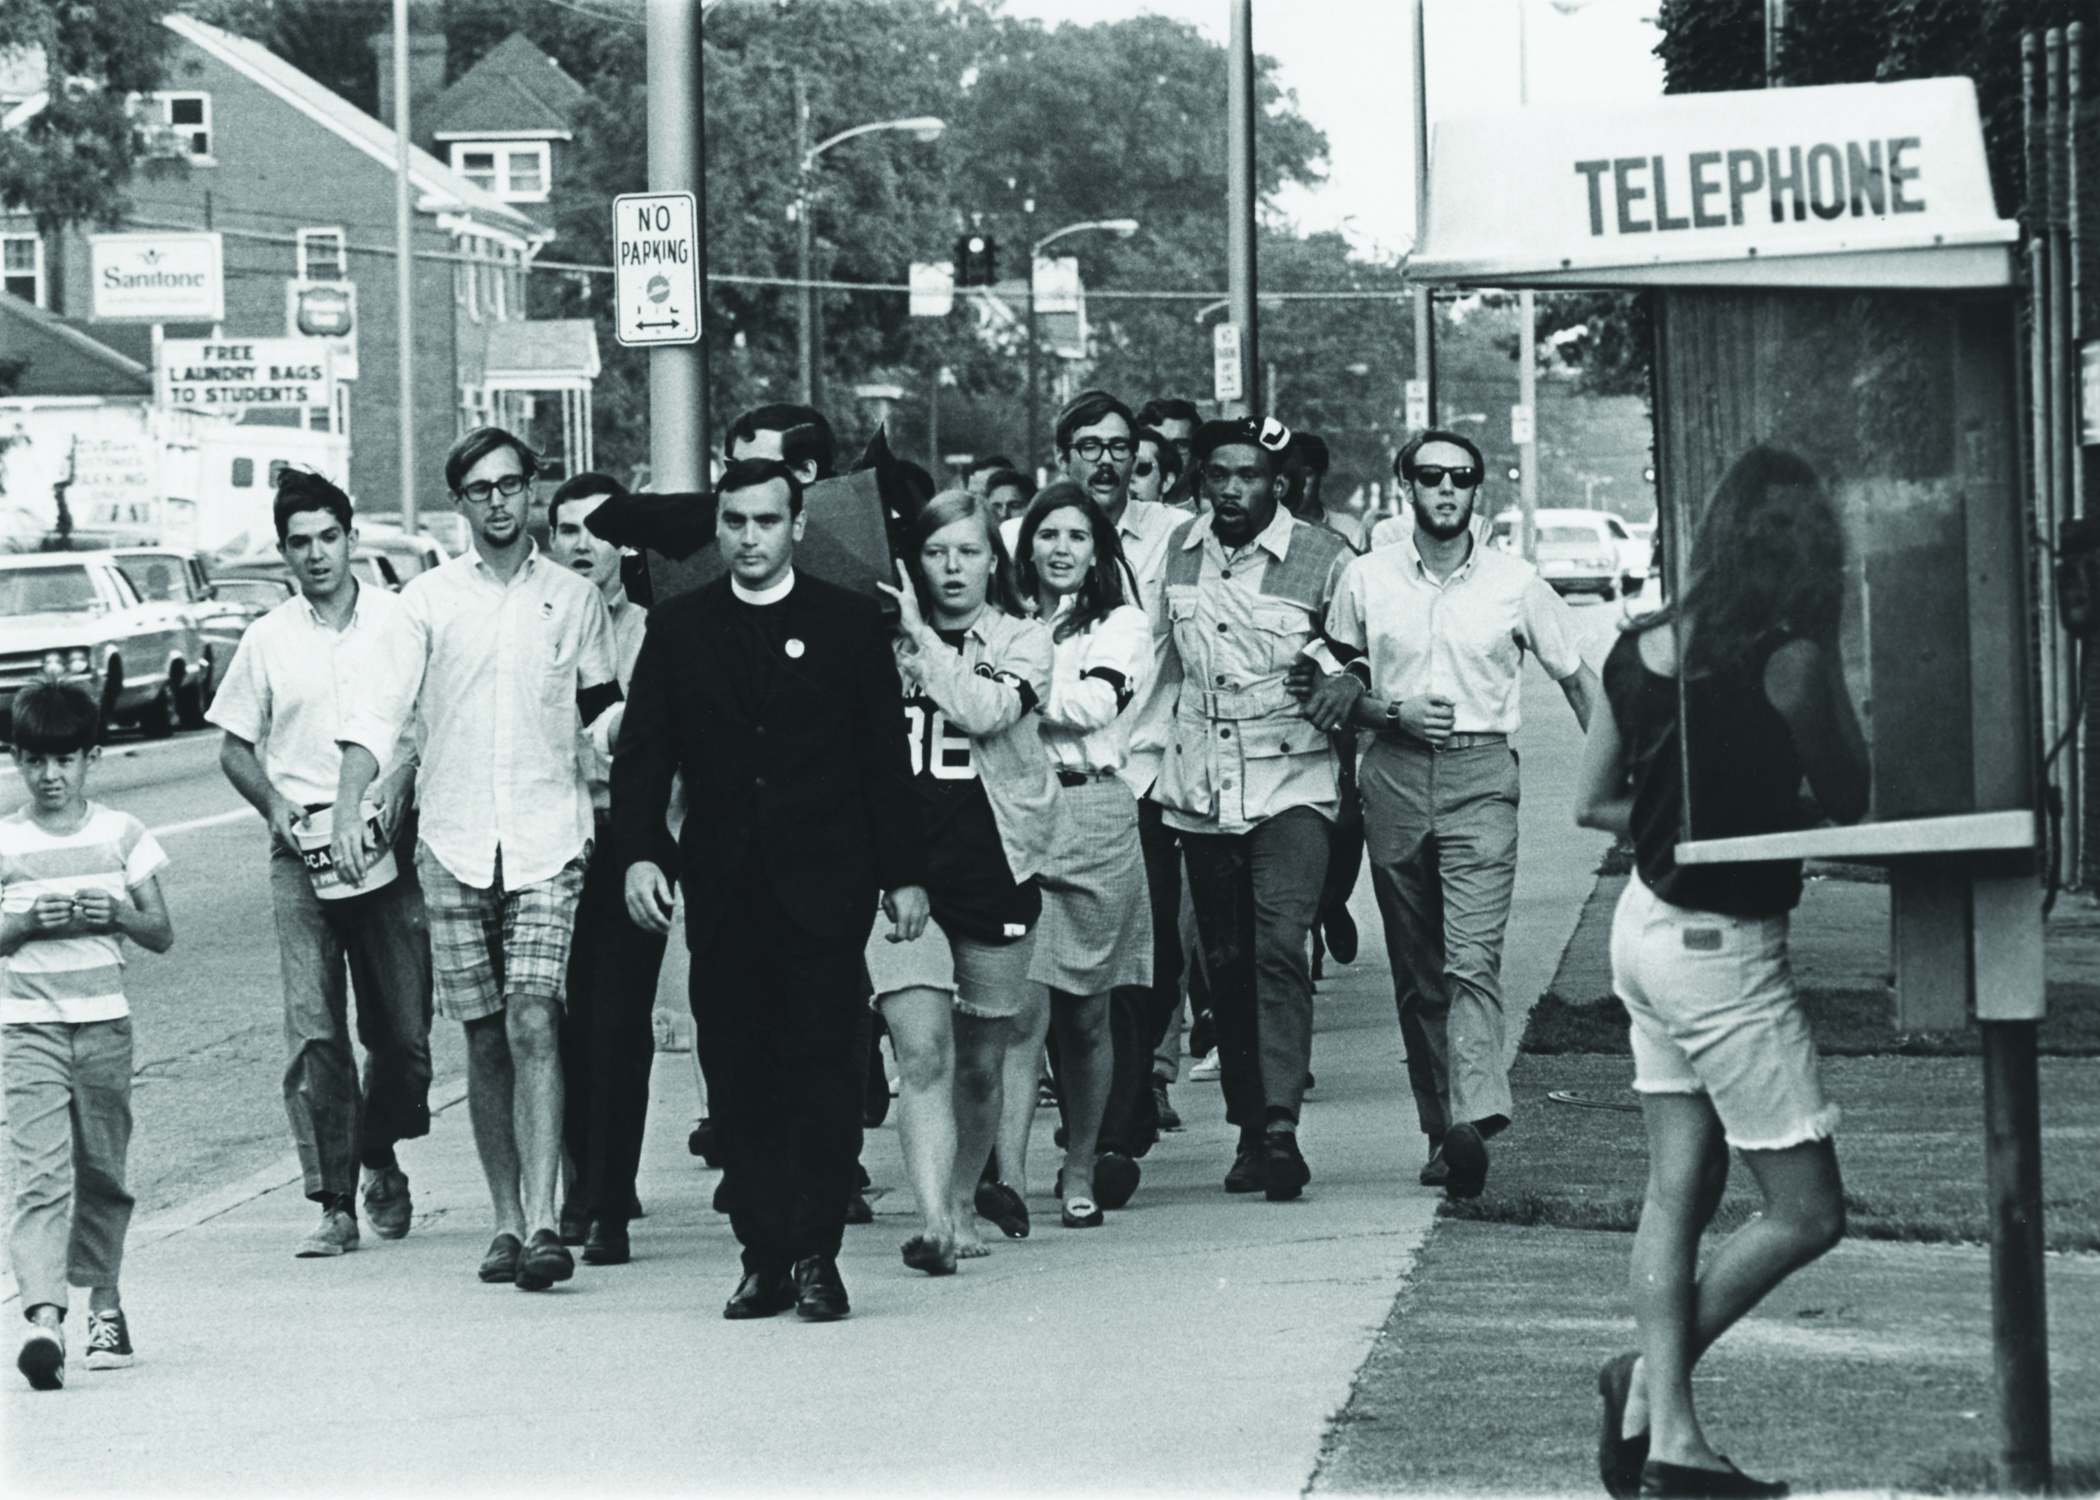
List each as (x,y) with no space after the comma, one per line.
(656,268)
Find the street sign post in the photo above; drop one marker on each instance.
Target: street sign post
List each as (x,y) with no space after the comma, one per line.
(1417,405)
(656,269)
(1227,383)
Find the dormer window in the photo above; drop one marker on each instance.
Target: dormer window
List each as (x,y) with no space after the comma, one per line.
(515,171)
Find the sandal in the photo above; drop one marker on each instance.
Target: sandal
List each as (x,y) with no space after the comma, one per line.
(922,1252)
(1080,1213)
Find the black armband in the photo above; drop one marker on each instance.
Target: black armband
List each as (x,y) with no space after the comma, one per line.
(593,701)
(1020,684)
(1116,680)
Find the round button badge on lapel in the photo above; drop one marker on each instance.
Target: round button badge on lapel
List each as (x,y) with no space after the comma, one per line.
(795,648)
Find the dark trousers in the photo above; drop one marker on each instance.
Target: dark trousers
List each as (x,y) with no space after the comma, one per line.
(380,941)
(781,1020)
(1345,853)
(607,1040)
(1256,894)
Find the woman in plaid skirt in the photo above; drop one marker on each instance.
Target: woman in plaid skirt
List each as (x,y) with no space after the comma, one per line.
(1096,931)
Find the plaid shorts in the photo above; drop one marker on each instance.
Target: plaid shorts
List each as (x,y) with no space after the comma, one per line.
(489,944)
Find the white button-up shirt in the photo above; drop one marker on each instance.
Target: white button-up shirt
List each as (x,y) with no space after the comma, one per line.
(1100,675)
(1463,638)
(1146,528)
(494,669)
(289,685)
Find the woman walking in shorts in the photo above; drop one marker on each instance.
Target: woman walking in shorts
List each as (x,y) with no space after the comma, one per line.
(1722,1052)
(973,672)
(1097,918)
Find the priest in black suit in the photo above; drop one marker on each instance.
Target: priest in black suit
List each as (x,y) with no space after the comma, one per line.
(777,696)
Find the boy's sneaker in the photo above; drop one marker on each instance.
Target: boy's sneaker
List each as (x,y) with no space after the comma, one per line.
(335,1234)
(1207,1068)
(387,1203)
(109,1341)
(43,1358)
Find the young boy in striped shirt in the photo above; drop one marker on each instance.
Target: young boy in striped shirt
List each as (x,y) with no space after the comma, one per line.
(75,877)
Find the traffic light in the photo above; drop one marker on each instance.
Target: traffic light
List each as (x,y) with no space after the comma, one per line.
(976,260)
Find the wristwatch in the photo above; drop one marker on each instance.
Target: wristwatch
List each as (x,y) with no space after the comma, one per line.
(1392,713)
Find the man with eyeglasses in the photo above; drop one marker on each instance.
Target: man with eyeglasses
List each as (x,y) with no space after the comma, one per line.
(1250,777)
(1097,446)
(505,654)
(1444,624)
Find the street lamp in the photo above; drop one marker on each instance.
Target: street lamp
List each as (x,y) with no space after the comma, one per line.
(918,127)
(1122,229)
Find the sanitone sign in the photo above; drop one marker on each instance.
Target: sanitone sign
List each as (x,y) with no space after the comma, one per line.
(1851,185)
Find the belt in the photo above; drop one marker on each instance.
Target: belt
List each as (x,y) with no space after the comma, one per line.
(1067,777)
(1450,742)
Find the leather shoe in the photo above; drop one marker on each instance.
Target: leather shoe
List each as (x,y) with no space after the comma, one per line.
(858,1209)
(1115,1179)
(1619,1459)
(501,1263)
(761,1294)
(1245,1176)
(1466,1154)
(546,1260)
(820,1296)
(1004,1207)
(1436,1171)
(575,1224)
(607,1244)
(1686,1482)
(1284,1173)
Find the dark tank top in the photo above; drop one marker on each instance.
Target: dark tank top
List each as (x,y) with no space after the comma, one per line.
(1745,779)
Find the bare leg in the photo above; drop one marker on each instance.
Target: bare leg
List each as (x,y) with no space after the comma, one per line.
(534,1031)
(1022,1068)
(489,1090)
(980,1057)
(923,1032)
(1682,1314)
(1086,1060)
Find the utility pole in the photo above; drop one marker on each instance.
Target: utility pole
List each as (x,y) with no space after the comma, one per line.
(678,417)
(805,294)
(1425,304)
(1527,348)
(404,274)
(1239,229)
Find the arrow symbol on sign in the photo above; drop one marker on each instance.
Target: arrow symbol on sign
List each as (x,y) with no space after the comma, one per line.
(668,323)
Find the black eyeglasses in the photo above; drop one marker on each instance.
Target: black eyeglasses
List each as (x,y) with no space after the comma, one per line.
(1434,474)
(1090,448)
(509,486)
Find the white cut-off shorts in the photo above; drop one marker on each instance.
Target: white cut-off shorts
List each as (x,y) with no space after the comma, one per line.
(1715,1011)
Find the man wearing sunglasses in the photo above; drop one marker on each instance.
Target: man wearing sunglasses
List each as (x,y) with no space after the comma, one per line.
(503,654)
(1444,624)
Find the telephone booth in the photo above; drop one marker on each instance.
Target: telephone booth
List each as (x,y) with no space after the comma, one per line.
(1831,282)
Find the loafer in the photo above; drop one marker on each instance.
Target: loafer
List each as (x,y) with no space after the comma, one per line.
(1115,1179)
(388,1206)
(1245,1176)
(607,1244)
(501,1263)
(1004,1207)
(820,1296)
(546,1260)
(1466,1155)
(1619,1459)
(1684,1482)
(1284,1173)
(761,1294)
(1081,1213)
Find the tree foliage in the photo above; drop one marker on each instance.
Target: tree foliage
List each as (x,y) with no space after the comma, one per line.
(69,163)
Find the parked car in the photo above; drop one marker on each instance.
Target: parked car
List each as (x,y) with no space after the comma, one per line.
(252,597)
(374,568)
(1578,552)
(174,578)
(410,555)
(75,615)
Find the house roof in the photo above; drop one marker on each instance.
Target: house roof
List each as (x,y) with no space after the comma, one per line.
(541,355)
(515,88)
(63,361)
(439,188)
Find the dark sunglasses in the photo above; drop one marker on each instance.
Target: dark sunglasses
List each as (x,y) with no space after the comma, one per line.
(1144,468)
(1433,475)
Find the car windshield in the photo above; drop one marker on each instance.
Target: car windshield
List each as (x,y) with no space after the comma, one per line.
(156,578)
(254,591)
(1573,536)
(47,591)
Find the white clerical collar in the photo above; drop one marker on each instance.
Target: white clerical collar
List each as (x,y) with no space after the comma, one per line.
(773,595)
